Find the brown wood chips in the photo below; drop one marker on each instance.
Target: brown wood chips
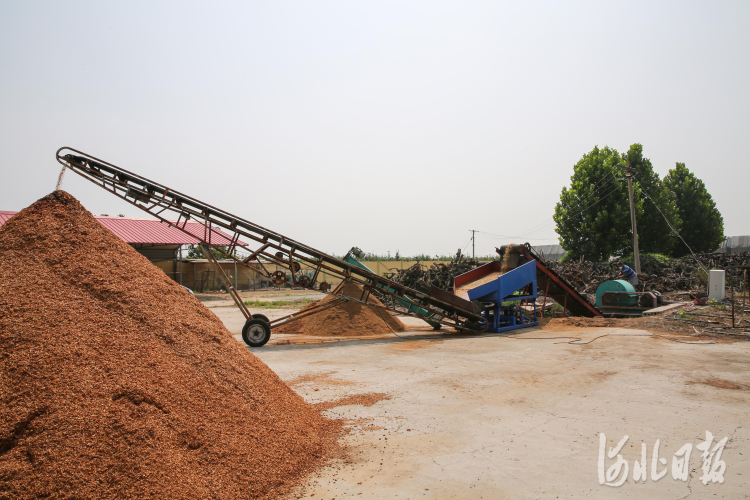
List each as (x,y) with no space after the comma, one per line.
(117,383)
(349,319)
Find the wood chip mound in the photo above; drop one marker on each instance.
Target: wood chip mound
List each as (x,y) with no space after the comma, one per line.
(117,383)
(349,319)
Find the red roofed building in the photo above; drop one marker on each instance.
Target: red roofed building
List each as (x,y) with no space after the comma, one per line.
(153,238)
(160,243)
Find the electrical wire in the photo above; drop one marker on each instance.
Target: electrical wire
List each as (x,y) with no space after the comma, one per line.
(466,245)
(600,199)
(545,225)
(672,228)
(604,182)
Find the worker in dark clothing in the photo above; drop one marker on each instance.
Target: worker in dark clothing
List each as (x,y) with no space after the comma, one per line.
(628,275)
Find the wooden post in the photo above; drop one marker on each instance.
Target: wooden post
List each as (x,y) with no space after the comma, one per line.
(731,288)
(636,254)
(180,264)
(544,304)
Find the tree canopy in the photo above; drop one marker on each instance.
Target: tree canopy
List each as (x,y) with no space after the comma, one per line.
(194,252)
(703,225)
(593,215)
(654,234)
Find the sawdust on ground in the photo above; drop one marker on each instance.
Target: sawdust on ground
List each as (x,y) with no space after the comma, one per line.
(367,399)
(716,382)
(323,378)
(411,345)
(658,324)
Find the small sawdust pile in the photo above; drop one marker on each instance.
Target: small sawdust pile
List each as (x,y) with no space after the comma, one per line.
(117,383)
(349,319)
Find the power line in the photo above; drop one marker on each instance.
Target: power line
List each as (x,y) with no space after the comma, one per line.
(466,245)
(602,183)
(504,237)
(549,223)
(672,228)
(544,226)
(524,235)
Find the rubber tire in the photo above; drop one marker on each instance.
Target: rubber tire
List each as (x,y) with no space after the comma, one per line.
(262,317)
(266,333)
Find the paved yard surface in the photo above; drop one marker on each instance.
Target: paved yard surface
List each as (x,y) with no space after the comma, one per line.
(495,417)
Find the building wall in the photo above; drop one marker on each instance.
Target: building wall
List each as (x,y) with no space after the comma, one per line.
(167,266)
(193,274)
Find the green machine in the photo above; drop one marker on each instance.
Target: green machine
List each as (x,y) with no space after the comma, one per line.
(619,297)
(351,258)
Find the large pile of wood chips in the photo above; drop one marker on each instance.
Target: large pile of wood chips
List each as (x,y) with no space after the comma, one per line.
(117,383)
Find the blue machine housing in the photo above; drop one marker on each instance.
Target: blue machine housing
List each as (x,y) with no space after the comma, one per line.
(502,318)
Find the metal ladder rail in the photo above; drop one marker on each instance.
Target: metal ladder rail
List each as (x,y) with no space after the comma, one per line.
(139,191)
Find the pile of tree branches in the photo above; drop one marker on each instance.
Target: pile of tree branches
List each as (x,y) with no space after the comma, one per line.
(664,275)
(439,274)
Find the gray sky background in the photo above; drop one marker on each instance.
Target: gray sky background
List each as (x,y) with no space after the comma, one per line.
(387,125)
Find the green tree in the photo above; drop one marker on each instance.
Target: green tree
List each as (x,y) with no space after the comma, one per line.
(593,215)
(194,252)
(702,223)
(654,235)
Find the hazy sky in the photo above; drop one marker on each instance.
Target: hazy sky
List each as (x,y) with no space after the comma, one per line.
(386,125)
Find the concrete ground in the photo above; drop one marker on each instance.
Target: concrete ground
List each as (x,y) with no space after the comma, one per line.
(497,417)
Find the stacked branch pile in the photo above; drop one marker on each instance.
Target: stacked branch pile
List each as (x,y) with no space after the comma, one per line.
(439,274)
(663,275)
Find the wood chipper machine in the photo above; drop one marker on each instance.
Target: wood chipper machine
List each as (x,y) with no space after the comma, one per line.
(619,298)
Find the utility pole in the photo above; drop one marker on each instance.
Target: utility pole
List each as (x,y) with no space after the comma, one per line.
(629,171)
(472,243)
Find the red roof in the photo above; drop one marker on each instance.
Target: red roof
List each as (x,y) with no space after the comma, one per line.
(150,231)
(4,216)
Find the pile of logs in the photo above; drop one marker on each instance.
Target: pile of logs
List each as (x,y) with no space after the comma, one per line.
(682,274)
(670,276)
(439,274)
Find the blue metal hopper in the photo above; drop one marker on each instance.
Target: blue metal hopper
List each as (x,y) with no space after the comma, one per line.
(515,285)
